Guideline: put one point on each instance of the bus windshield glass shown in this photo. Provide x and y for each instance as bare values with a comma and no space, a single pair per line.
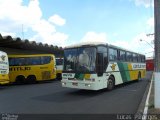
59,61
29,61
80,59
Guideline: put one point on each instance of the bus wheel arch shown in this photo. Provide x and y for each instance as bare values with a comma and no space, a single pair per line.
139,76
20,79
111,82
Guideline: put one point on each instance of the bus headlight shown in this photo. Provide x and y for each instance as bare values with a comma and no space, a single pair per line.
87,85
63,83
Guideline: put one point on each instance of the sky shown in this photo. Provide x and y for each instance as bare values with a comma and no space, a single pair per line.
66,22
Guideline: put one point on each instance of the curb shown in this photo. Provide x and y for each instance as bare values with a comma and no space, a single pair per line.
147,100
142,104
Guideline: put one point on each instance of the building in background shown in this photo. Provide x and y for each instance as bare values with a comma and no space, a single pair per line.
18,46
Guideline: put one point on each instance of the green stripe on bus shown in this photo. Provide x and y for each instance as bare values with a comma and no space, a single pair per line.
123,68
79,76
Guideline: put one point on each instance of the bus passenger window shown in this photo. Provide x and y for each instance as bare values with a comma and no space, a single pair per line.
122,56
35,60
139,58
129,57
19,61
11,61
142,58
112,54
135,58
45,59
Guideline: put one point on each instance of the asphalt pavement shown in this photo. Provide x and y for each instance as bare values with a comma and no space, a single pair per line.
51,98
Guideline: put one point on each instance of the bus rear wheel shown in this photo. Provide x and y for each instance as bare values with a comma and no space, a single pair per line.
31,79
110,83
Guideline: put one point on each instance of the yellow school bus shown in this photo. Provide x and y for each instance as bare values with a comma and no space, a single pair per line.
4,68
31,68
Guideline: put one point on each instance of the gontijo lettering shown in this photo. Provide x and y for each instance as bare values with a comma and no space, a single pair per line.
19,68
135,66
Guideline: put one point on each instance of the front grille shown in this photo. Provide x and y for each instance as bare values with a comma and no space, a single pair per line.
71,78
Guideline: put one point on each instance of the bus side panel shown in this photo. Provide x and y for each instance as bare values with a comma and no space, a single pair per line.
143,73
128,73
4,68
118,78
12,76
15,71
124,71
38,71
116,70
41,72
133,73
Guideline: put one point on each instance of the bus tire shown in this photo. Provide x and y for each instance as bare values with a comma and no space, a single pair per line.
20,79
110,83
139,76
31,79
59,76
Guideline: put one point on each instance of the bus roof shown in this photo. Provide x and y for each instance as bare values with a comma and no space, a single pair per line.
123,49
97,43
85,44
31,55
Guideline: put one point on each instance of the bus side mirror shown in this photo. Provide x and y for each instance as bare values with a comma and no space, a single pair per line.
99,66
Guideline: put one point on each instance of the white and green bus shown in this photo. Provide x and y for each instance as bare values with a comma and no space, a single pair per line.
95,66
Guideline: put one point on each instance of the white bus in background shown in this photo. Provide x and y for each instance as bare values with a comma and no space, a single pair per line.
59,68
4,68
95,66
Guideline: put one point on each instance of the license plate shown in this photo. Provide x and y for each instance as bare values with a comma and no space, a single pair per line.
75,84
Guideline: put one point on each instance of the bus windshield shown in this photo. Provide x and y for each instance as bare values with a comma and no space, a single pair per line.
80,59
59,61
24,61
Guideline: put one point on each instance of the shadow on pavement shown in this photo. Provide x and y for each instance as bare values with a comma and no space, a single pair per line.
69,94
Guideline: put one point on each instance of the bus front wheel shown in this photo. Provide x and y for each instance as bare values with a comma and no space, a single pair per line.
110,83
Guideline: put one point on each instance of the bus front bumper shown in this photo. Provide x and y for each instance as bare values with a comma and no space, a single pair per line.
3,82
80,84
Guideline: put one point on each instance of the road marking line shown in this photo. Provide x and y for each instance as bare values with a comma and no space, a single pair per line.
147,101
129,90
